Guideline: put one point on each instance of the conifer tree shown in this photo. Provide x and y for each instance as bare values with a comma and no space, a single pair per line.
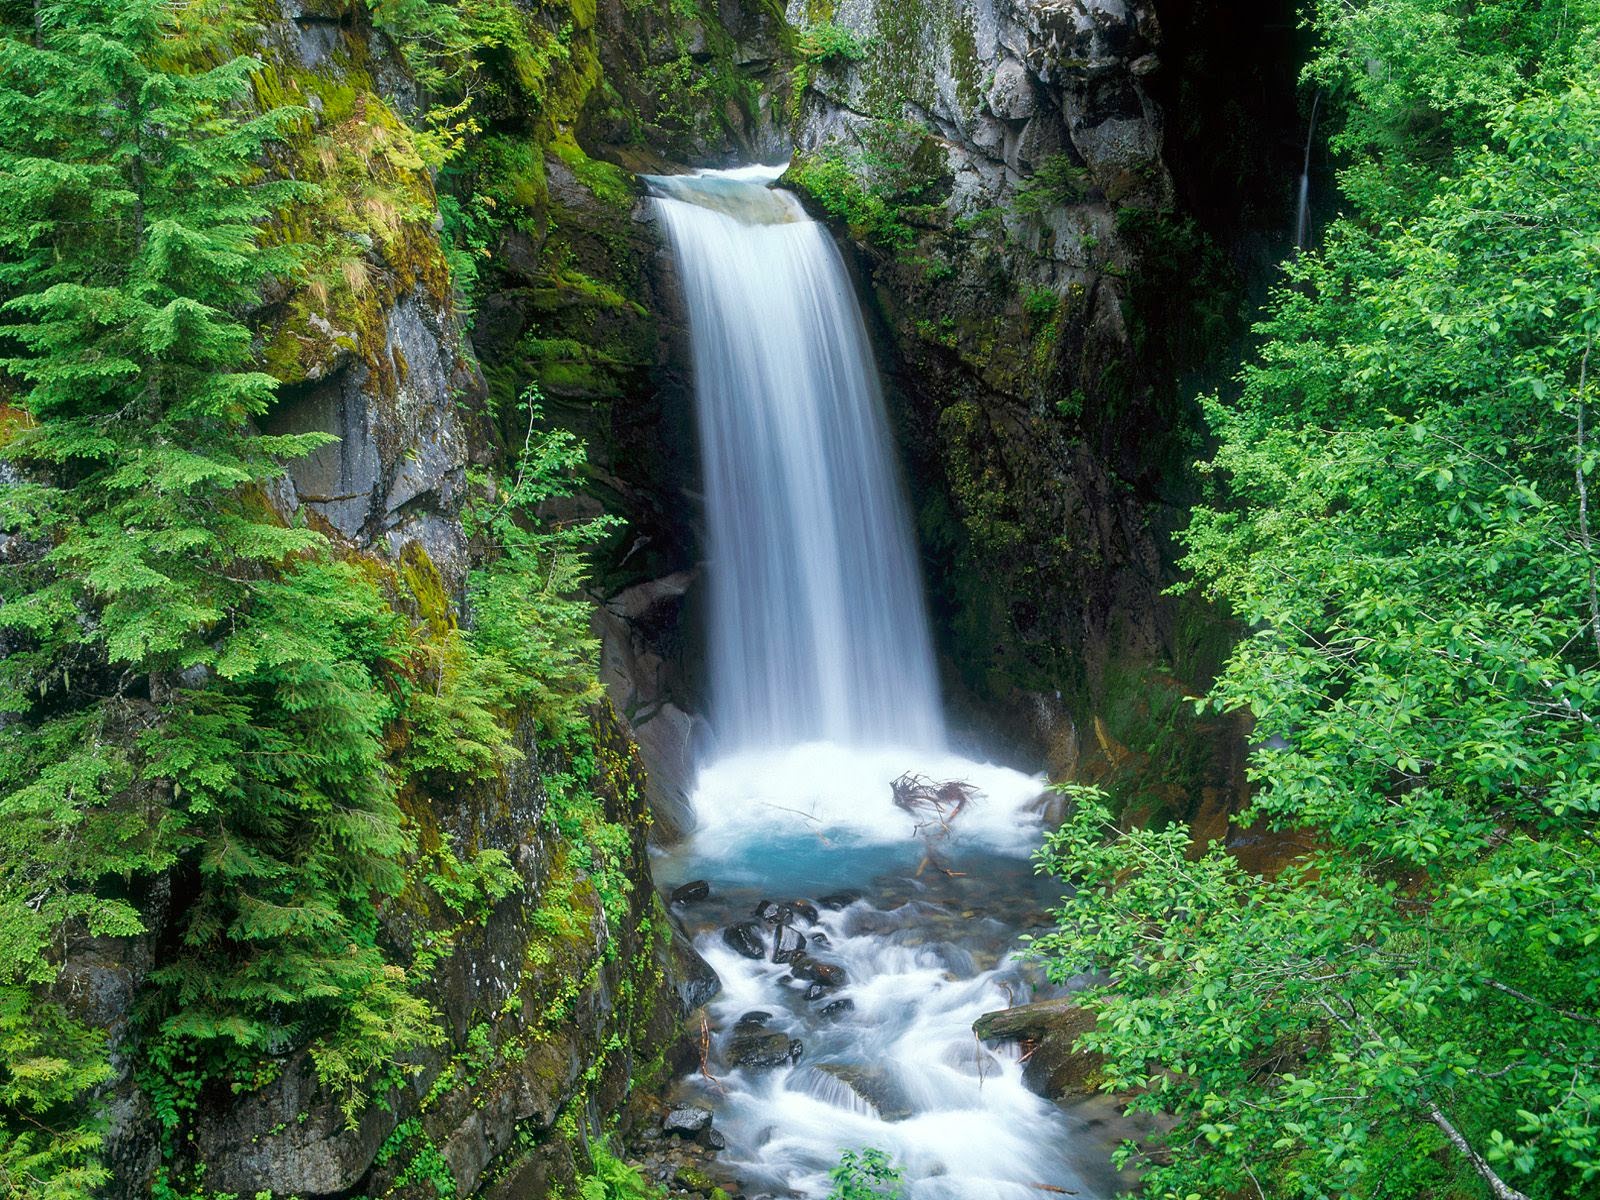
189,683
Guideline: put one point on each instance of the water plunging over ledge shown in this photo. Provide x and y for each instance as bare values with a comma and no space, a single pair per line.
818,629
845,1024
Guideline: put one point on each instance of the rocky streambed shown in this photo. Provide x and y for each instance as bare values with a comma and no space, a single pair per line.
856,950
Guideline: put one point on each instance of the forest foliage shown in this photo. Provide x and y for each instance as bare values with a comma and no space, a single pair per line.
1400,514
206,707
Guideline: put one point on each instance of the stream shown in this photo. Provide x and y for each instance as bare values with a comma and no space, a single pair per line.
924,925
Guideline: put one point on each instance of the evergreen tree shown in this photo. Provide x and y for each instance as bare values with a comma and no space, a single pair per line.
190,683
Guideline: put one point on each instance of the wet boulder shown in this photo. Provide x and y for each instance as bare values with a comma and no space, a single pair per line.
692,892
763,1049
789,945
840,899
686,1120
1051,1029
773,912
835,1009
805,911
829,975
754,1019
745,938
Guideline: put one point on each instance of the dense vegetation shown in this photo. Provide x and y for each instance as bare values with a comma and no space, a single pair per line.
208,705
1401,516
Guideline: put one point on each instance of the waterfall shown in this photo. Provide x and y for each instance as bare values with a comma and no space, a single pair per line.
818,625
1302,212
822,692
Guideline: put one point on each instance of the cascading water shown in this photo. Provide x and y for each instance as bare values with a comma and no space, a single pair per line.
851,1026
1302,212
817,623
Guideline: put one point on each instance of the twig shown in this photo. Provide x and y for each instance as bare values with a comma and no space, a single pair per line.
705,1057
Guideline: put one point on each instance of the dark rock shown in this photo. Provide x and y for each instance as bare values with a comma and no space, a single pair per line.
763,1049
816,991
827,974
773,912
745,938
712,1140
692,892
789,946
833,1011
1055,1068
805,910
754,1019
838,900
686,1120
693,977
819,938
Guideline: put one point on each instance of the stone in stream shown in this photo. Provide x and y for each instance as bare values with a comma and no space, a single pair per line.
1055,1067
838,900
745,938
819,938
876,1086
763,1049
772,912
754,1019
789,946
692,892
827,974
686,1120
805,910
833,1011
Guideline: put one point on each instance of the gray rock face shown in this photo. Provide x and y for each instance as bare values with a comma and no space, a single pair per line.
642,684
397,470
686,1120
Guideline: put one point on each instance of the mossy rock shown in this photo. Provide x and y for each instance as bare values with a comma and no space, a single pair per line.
1050,1028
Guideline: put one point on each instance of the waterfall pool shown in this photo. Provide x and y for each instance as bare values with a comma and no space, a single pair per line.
925,926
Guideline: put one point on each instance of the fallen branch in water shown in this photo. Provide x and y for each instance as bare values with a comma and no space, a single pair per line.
919,795
705,1057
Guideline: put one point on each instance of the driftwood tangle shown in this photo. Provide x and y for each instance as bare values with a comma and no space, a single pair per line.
941,803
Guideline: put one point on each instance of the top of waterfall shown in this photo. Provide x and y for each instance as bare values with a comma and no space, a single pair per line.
744,194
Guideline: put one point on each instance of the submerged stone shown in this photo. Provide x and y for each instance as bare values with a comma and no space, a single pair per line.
827,974
763,1049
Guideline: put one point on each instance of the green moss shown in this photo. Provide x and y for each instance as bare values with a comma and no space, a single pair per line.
979,487
610,184
426,587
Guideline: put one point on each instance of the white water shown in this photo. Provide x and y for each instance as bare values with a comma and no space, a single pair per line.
1302,212
823,691
818,628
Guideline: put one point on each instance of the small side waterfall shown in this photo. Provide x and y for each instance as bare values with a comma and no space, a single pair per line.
818,627
1302,212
